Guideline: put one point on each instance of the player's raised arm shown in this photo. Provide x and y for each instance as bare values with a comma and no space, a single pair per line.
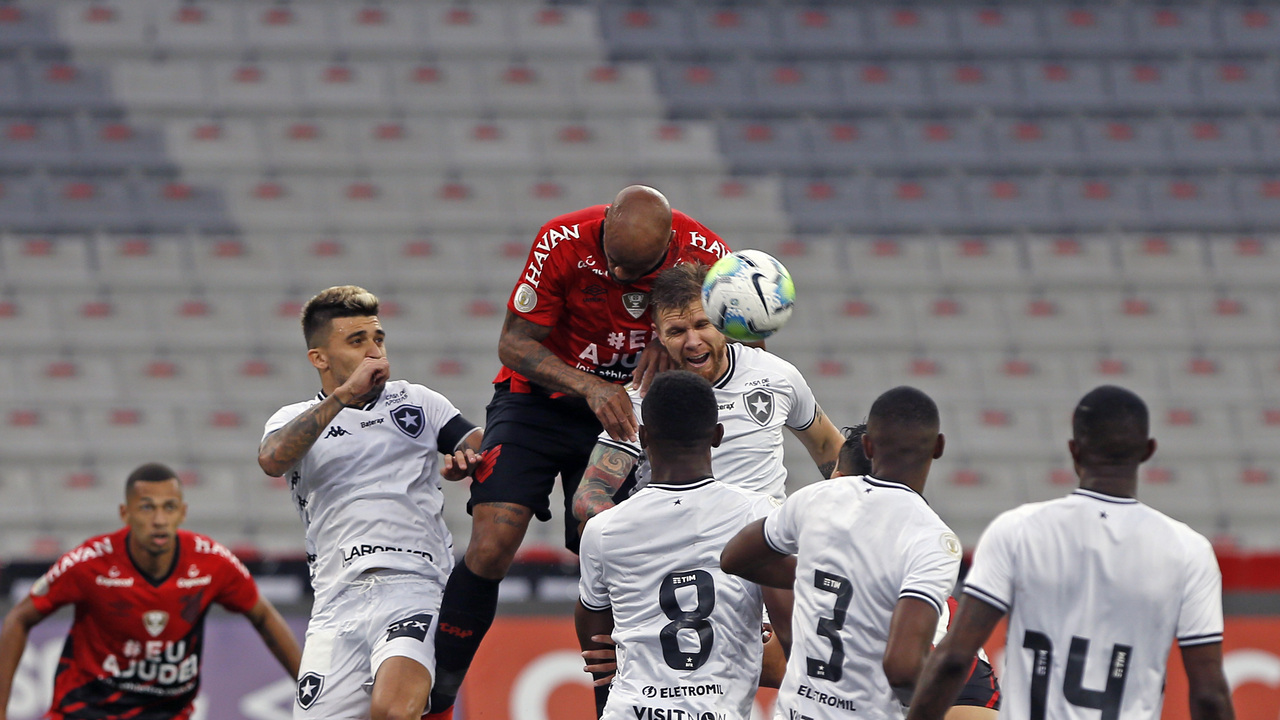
823,440
13,640
609,468
276,634
749,556
947,667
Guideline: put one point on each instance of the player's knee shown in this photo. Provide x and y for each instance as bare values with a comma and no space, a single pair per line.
492,557
396,709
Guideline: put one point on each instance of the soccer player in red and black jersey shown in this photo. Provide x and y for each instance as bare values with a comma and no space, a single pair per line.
140,594
577,328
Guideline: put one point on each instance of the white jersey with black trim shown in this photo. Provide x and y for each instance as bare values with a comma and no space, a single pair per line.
368,490
688,634
862,544
758,394
1097,588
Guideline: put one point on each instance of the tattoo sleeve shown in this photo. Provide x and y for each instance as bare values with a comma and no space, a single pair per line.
604,476
283,448
520,348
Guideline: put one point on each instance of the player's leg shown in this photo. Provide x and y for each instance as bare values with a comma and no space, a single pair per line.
980,697
335,664
400,690
401,641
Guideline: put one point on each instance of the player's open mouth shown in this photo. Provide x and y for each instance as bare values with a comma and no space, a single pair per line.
698,360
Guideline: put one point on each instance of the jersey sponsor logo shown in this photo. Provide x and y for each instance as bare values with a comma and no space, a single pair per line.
594,293
395,398
455,631
700,241
665,713
542,250
725,406
113,581
356,551
526,298
156,667
410,419
336,431
375,421
194,579
310,685
824,698
635,303
155,621
209,547
415,627
683,691
84,552
759,404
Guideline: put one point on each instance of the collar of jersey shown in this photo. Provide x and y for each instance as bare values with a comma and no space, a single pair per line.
885,483
368,406
1104,497
681,488
731,358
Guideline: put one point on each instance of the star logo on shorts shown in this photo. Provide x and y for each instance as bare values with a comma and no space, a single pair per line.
759,405
410,419
310,685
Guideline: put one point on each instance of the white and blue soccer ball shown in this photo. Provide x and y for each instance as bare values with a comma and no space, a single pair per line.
748,295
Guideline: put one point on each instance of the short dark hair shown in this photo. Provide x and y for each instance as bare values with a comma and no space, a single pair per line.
853,459
151,472
336,302
1111,426
680,409
903,424
676,287
904,405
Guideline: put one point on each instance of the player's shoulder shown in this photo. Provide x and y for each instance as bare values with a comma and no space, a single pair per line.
1180,532
754,502
293,410
84,558
206,549
400,391
761,361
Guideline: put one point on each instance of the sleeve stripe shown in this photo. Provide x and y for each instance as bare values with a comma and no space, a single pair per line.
593,608
921,596
1200,640
987,597
809,424
624,447
768,541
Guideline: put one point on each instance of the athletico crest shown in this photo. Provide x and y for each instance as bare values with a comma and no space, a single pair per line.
635,303
410,419
154,621
759,405
309,687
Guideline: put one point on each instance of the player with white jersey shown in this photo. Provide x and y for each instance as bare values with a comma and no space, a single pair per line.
1097,587
757,394
687,634
872,568
362,460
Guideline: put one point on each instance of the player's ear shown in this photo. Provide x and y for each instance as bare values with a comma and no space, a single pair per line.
124,513
1151,449
718,435
868,448
319,359
1074,450
939,445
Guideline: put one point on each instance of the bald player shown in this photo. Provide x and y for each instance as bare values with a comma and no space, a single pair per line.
1097,586
872,566
577,327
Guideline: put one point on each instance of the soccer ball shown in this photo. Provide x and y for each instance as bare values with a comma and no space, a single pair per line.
748,295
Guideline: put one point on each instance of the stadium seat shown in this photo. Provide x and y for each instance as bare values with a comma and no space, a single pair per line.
919,203
1259,198
287,29
549,30
212,27
171,86
63,379
434,87
343,86
524,88
944,142
1191,431
910,28
536,200
644,30
1112,142
1209,378
222,432
490,145
1266,364
768,146
327,259
1099,201
28,26
704,87
92,203
207,321
734,204
1243,260
1034,143
471,203
435,261
1063,84
278,378
1086,28
215,501
182,380
39,430
1192,201
92,321
818,205
234,262
967,494
475,321
880,320
396,145
279,203
1185,490
1259,426
845,146
369,28
1158,260
62,86
1149,85
980,262
19,506
78,500
821,30
460,30
789,86
1011,202
1248,28
729,29
627,89
36,262
1268,135
951,376
1138,371
359,206
127,432
1239,84
979,83
1173,29
142,261
818,262
966,320
30,318
584,146
998,29
306,144
1049,479
201,143
271,504
1027,379
34,141
998,430
22,204
254,86
13,93
1051,320
1144,319
414,326
1233,319
1248,492
1212,142
872,86
893,263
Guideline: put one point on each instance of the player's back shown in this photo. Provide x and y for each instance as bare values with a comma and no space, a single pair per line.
862,544
688,634
1098,587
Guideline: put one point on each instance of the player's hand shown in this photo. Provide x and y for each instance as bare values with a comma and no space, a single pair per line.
602,660
653,360
367,380
612,406
459,465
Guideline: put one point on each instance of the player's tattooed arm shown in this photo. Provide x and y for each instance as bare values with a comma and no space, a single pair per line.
608,469
283,448
520,348
823,441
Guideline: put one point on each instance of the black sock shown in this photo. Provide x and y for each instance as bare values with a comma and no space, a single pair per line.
466,611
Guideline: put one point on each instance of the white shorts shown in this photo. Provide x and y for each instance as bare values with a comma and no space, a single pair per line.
379,616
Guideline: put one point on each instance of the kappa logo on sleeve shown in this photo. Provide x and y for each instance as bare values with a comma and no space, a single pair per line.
411,627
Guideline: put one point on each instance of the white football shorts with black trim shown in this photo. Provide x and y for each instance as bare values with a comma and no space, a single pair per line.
379,616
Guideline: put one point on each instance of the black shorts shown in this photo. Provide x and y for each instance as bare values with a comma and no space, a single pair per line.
529,438
981,689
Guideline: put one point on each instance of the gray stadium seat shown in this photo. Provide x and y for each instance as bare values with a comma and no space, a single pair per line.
540,29
1235,320
1143,320
459,30
54,85
211,27
343,86
1259,198
643,30
1111,142
204,143
91,203
185,379
358,206
1247,27
443,261
887,262
733,29
1027,379
910,27
1148,85
235,262
845,146
585,146
162,85
126,433
254,86
533,201
30,318
945,142
434,87
678,146
37,431
1191,201
216,320
1033,143
1243,84
980,262
1086,28
19,505
1212,142
393,144
1098,201
1191,431
767,146
263,203
998,430
952,375
703,87
295,143
1137,371
36,262
325,259
13,94
819,205
1065,84
109,27
23,204
1014,201
615,89
1243,260
1186,490
998,29
822,30
26,25
474,202
62,380
1209,378
965,320
917,203
280,29
524,88
369,28
99,322
730,204
115,144
490,145
1176,29
869,86
1051,320
967,493
791,86
128,261
981,83
174,206
1155,260
275,378
1248,491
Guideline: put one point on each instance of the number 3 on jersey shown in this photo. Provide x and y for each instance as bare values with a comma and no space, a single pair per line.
833,667
681,619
